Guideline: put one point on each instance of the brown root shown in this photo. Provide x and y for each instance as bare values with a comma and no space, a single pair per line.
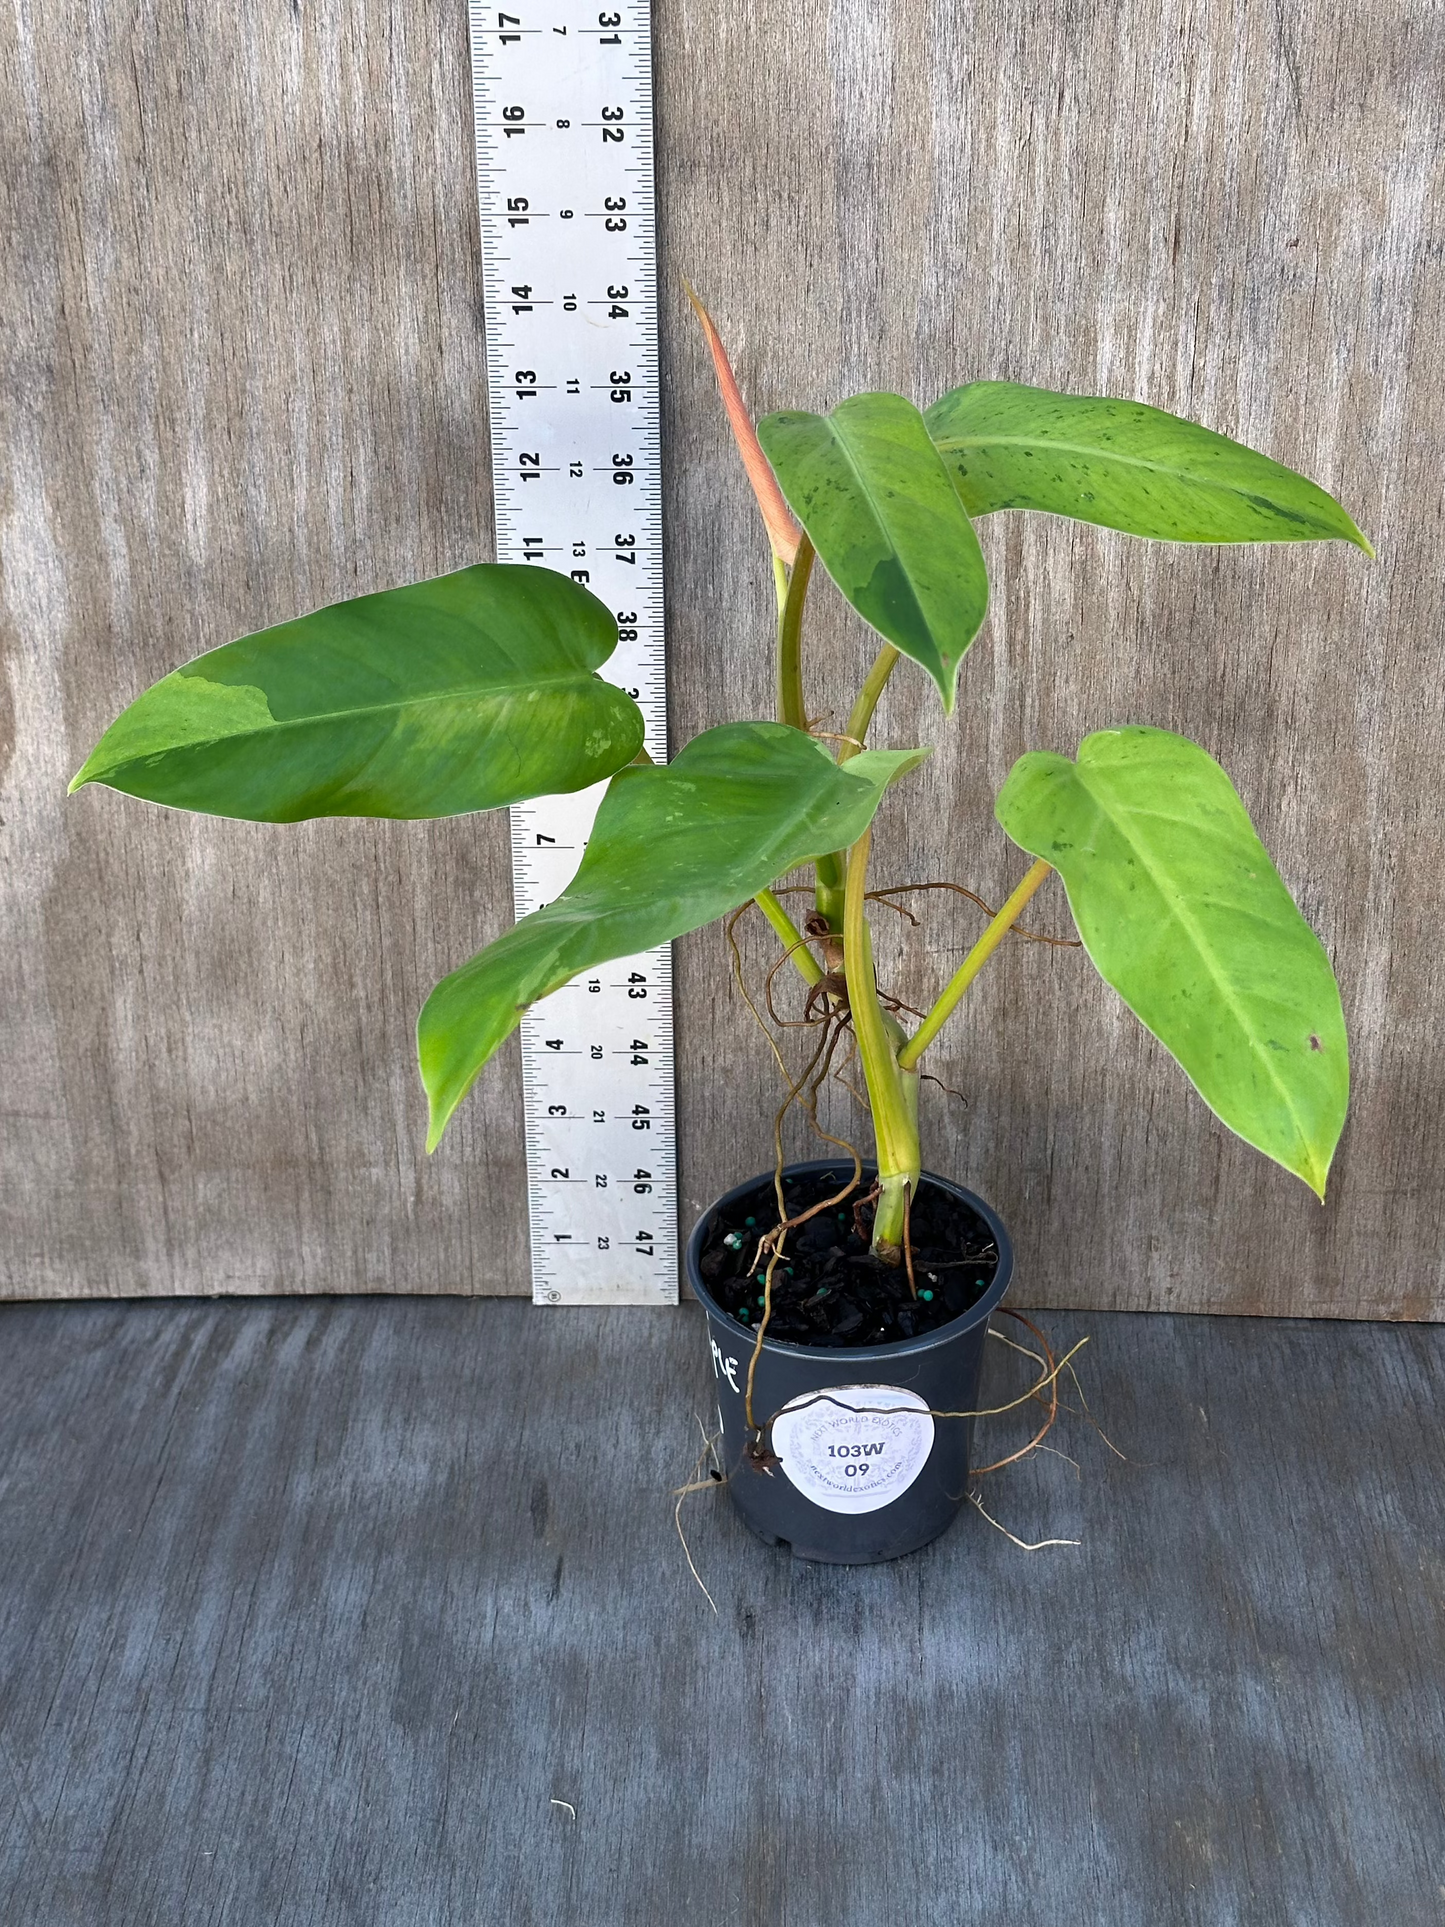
908,1239
1028,936
947,1089
830,989
825,1010
1052,1375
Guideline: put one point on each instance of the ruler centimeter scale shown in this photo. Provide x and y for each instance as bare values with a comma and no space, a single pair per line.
562,95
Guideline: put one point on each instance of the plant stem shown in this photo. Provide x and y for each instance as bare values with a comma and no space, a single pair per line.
829,895
780,582
888,1224
974,962
791,708
895,1119
831,868
808,967
862,711
790,640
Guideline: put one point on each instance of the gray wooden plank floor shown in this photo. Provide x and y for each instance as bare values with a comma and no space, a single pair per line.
314,1611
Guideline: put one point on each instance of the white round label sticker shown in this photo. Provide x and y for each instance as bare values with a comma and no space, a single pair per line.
854,1448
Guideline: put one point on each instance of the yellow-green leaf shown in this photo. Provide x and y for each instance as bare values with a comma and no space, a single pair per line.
1183,913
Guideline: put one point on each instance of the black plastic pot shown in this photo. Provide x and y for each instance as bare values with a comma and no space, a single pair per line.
866,1473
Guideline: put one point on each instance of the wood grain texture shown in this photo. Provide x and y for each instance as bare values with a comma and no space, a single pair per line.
243,376
314,1610
247,379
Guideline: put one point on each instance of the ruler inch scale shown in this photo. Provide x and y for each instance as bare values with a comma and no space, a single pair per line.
562,100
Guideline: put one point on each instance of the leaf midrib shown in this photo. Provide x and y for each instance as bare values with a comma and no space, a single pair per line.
364,709
888,536
954,443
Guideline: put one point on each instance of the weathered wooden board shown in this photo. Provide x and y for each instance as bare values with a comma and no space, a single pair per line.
243,376
316,1613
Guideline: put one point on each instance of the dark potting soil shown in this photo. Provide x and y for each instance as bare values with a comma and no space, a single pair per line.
828,1290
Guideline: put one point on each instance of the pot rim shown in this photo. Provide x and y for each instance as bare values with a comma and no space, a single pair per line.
864,1354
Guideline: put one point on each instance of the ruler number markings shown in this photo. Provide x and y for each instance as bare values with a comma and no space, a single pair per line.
563,117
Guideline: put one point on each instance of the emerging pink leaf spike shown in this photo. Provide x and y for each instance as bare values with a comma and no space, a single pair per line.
783,532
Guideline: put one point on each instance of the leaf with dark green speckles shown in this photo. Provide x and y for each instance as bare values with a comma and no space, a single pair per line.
1124,466
870,489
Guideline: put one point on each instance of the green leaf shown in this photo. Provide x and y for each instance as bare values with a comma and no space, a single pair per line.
1184,914
673,847
878,505
1125,466
466,692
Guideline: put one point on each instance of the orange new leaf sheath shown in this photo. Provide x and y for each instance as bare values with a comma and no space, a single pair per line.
783,532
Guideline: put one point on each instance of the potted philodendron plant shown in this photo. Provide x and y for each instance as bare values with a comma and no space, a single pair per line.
847,1301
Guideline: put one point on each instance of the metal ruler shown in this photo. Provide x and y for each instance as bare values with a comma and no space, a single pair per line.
562,94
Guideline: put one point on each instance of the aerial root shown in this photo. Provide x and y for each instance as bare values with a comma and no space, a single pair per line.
1051,1375
1024,1545
715,1478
